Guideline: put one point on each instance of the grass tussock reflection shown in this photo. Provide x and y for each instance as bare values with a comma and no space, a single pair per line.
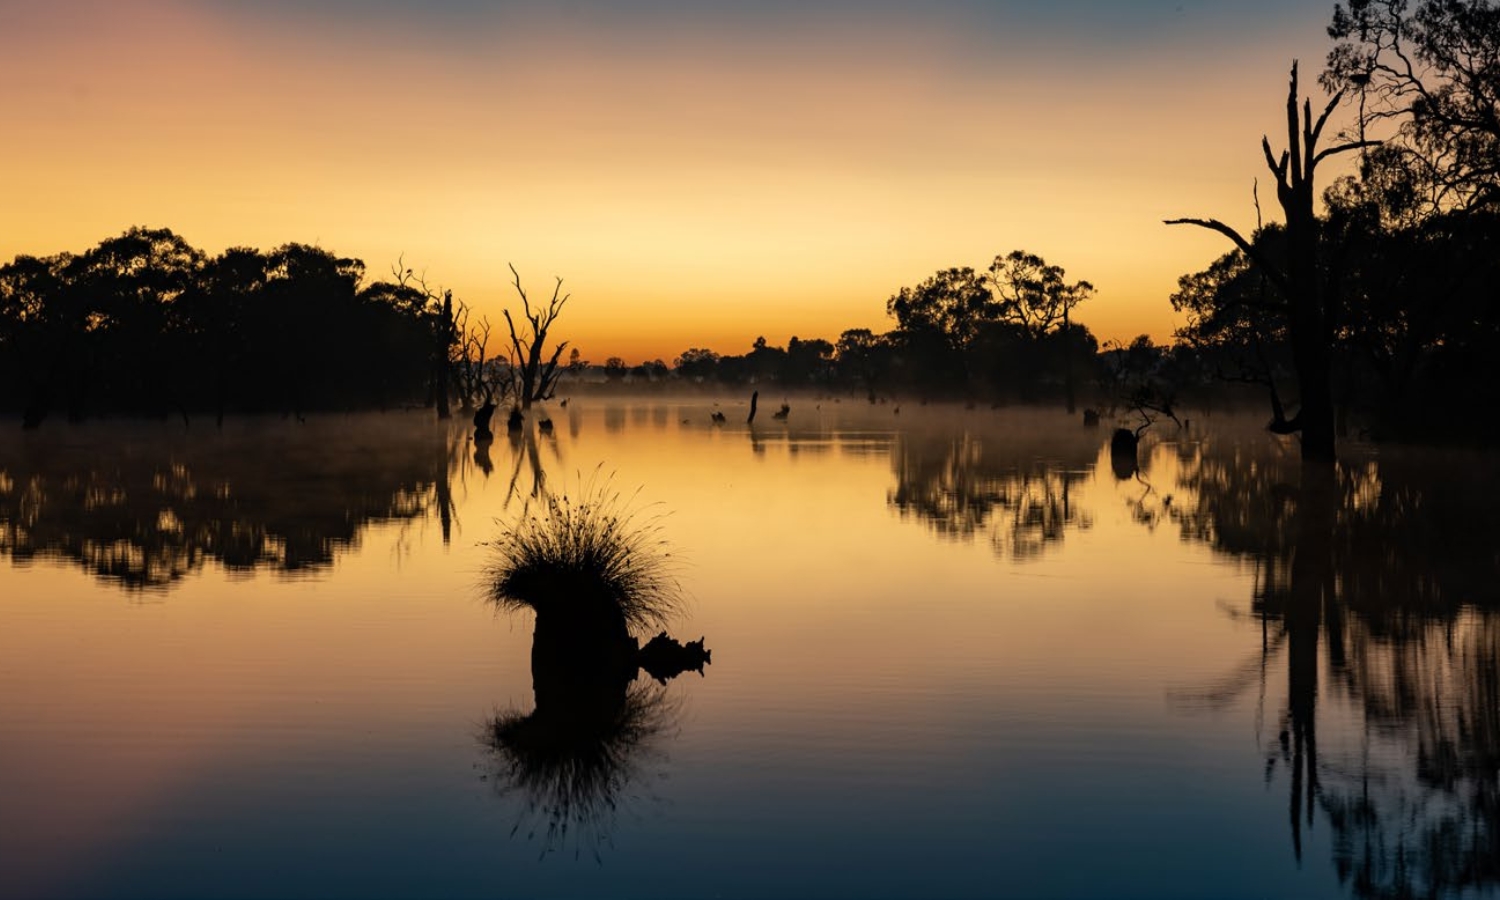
576,761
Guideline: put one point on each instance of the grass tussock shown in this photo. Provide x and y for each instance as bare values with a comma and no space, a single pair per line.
596,550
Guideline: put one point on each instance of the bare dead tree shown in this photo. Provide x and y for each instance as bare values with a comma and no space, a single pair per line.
472,365
533,378
1310,313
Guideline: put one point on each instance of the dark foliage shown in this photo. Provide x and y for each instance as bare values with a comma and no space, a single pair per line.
145,324
586,561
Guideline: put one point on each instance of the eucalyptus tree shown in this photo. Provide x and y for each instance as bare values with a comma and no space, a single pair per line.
1036,298
1300,293
1033,295
1431,70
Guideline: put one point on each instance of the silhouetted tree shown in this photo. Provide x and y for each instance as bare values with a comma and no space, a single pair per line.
1301,293
474,373
696,364
863,358
651,370
807,362
38,332
1235,326
1033,295
962,330
952,305
937,322
309,295
1137,378
1420,325
535,376
144,323
1429,67
448,321
764,361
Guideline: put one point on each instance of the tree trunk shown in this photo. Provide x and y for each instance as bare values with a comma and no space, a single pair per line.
440,361
1310,310
1311,337
1068,363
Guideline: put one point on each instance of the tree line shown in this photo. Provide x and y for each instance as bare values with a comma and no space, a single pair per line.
1001,334
146,324
1371,305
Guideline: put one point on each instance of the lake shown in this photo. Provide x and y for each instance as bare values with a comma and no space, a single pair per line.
955,653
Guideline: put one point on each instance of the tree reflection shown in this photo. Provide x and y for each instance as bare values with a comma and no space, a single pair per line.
1381,583
577,759
144,506
1020,496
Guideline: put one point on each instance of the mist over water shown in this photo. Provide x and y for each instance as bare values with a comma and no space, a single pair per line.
955,652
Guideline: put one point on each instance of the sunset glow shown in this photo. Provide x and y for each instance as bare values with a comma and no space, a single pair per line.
699,174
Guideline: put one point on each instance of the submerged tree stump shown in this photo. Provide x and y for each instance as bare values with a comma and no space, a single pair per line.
1123,445
664,658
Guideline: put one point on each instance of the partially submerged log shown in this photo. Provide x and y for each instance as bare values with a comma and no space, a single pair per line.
664,658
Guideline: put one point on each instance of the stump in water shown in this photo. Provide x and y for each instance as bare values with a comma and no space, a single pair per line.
1122,453
482,421
664,658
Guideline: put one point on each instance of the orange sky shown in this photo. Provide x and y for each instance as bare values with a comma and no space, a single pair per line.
699,174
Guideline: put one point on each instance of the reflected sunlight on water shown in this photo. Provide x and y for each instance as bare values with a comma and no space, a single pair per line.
953,655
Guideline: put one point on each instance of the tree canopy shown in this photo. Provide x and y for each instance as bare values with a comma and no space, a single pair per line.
144,323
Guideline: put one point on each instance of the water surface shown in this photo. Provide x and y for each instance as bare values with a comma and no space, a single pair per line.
955,654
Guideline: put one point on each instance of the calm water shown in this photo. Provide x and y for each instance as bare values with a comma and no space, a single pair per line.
954,655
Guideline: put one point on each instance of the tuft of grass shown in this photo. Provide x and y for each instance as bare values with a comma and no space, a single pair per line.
585,556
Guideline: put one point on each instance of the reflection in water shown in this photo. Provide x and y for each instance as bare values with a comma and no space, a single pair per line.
1390,579
1007,735
144,505
1019,494
577,758
527,465
589,571
482,455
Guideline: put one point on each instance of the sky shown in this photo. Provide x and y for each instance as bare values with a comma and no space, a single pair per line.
698,174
